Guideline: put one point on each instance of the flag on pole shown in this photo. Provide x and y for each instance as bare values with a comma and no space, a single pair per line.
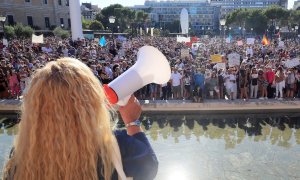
265,40
102,41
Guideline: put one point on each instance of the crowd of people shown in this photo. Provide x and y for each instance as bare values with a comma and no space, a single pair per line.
262,72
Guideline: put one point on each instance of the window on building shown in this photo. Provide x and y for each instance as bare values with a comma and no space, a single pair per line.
45,1
62,21
67,2
29,21
27,1
47,22
59,2
69,23
10,20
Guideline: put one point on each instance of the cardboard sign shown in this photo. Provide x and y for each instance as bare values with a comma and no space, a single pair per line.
216,58
233,59
221,66
292,63
185,53
37,39
250,40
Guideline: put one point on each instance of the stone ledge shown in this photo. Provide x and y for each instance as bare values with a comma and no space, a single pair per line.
210,106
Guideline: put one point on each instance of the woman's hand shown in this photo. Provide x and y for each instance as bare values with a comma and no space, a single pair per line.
130,113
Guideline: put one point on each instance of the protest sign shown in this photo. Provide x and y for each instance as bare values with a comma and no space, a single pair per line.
250,40
216,58
239,43
183,39
184,53
5,42
37,39
228,40
281,44
96,39
151,31
221,66
233,59
292,63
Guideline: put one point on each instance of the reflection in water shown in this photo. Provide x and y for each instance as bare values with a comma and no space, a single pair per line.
279,130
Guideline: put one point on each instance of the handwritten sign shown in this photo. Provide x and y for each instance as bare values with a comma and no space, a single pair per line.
250,40
37,39
216,58
185,53
221,66
183,39
292,63
233,59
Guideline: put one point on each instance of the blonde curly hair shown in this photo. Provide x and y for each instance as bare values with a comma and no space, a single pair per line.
65,129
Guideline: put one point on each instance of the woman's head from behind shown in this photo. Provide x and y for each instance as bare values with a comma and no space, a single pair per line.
65,125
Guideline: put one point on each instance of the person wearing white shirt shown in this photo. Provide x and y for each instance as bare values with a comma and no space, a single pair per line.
176,83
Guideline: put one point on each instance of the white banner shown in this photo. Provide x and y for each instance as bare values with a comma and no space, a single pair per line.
151,31
233,59
292,63
183,39
250,40
38,39
5,42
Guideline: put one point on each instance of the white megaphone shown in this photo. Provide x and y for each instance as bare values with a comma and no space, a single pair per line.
151,67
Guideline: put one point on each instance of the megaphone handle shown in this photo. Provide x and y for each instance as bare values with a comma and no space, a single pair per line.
124,101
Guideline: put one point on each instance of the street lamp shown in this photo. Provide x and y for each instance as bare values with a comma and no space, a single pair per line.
202,30
222,23
251,31
112,20
2,20
62,26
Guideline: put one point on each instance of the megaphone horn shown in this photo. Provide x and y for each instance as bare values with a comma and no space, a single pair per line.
151,67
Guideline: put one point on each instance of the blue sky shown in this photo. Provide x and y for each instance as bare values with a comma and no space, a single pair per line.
104,3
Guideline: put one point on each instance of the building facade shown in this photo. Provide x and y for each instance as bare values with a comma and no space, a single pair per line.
39,14
228,6
89,11
202,15
296,5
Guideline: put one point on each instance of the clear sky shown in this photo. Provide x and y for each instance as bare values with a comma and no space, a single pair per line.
104,3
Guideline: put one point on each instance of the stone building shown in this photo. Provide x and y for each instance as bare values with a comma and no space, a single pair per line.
40,14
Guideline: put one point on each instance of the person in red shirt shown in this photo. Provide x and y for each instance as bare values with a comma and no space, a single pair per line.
270,76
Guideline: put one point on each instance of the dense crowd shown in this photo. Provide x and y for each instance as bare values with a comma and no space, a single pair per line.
261,73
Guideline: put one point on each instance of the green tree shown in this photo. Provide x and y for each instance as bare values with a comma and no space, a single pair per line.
59,32
96,25
9,32
256,20
238,17
23,31
173,27
295,17
85,23
276,14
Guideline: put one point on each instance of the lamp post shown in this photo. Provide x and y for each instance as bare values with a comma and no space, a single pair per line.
202,30
2,20
240,29
112,20
296,30
222,23
251,31
62,26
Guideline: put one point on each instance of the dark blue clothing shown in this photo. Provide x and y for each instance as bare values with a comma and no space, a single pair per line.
138,158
